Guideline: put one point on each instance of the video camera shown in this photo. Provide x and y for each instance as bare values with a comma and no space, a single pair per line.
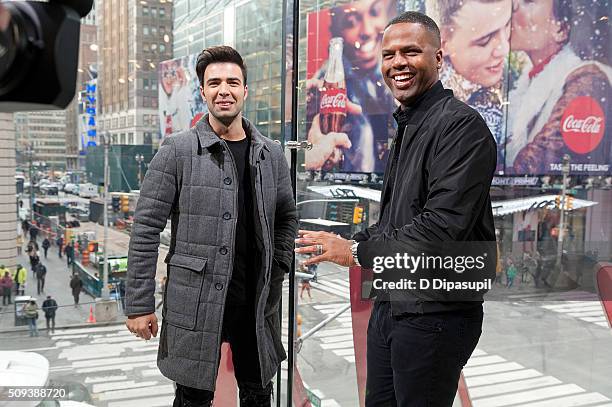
39,54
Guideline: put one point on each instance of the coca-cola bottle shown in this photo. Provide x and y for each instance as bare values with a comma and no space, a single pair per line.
332,108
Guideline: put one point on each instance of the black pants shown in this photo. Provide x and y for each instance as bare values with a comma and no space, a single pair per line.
40,285
239,331
6,296
50,323
415,360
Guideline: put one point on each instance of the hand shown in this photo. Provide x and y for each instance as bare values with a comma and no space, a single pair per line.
5,17
143,326
324,146
334,248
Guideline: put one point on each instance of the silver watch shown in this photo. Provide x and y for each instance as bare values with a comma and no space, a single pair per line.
354,252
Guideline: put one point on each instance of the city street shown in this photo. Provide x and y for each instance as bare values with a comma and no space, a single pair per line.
534,352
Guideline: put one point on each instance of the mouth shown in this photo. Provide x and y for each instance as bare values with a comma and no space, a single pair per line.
403,80
224,104
497,67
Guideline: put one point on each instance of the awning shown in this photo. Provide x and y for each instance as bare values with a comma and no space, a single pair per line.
346,191
501,208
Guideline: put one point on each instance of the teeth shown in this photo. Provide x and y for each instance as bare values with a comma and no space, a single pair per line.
402,77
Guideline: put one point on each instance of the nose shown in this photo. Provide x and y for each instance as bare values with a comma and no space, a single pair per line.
369,29
399,61
224,89
501,45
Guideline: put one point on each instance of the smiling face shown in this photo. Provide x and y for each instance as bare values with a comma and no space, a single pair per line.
361,26
224,91
476,46
410,61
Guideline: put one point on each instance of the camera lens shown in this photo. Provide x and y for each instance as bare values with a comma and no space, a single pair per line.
17,48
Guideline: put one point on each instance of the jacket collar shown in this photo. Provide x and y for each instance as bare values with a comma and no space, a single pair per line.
407,114
207,136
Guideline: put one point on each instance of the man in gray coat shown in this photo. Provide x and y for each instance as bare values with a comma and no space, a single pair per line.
227,190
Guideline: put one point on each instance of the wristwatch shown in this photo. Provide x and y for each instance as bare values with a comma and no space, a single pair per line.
354,245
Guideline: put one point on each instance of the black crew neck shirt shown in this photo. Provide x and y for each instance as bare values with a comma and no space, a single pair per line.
243,283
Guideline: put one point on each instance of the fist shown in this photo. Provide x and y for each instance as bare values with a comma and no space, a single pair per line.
143,326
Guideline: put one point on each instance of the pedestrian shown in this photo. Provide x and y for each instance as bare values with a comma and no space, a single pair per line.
33,232
305,286
45,245
25,227
435,189
41,273
69,252
511,272
162,290
76,285
19,245
60,246
224,286
49,307
34,261
31,313
19,278
6,284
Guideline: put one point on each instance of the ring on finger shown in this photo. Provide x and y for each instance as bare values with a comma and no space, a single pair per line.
319,249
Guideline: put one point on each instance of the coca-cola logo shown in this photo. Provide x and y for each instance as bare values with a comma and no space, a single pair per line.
583,124
333,100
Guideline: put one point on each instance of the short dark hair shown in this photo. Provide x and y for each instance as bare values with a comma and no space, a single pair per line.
415,17
220,53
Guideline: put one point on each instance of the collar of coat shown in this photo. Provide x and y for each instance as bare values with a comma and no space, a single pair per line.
208,137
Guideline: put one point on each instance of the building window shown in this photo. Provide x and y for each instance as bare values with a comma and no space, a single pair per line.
162,12
145,84
153,12
145,30
153,30
162,48
145,11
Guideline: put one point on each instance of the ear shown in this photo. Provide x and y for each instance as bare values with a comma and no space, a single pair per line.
439,58
202,93
246,91
561,36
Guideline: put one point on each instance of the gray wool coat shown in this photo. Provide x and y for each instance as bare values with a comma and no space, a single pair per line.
192,181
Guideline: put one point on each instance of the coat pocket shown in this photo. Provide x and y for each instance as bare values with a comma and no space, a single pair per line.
183,289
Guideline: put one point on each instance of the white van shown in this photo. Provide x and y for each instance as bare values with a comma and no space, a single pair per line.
88,191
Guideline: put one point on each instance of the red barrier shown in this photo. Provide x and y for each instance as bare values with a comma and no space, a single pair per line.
226,391
604,288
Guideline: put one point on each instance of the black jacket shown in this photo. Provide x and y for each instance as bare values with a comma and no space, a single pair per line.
49,306
436,185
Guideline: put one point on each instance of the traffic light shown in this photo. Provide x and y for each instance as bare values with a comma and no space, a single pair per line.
358,214
569,205
558,202
125,203
116,203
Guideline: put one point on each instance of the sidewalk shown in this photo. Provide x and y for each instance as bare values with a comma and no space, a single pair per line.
57,284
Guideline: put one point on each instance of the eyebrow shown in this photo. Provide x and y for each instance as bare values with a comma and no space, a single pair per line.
492,32
405,48
231,78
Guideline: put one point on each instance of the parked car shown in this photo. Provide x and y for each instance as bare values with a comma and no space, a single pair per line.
88,191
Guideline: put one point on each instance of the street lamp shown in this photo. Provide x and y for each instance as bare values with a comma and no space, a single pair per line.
139,159
565,170
105,274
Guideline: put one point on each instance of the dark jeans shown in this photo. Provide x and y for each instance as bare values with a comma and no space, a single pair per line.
40,285
6,295
239,331
50,322
415,360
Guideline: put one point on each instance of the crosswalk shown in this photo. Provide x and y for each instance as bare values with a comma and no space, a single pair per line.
582,305
98,354
338,336
496,382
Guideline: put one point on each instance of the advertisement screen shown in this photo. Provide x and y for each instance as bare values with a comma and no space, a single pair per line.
349,108
180,102
559,102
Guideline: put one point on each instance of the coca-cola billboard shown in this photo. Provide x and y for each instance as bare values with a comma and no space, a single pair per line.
560,89
349,108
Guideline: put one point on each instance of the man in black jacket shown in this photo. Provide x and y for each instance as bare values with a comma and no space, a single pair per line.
435,191
49,306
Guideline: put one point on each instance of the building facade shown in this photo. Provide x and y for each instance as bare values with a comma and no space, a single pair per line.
133,37
45,132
